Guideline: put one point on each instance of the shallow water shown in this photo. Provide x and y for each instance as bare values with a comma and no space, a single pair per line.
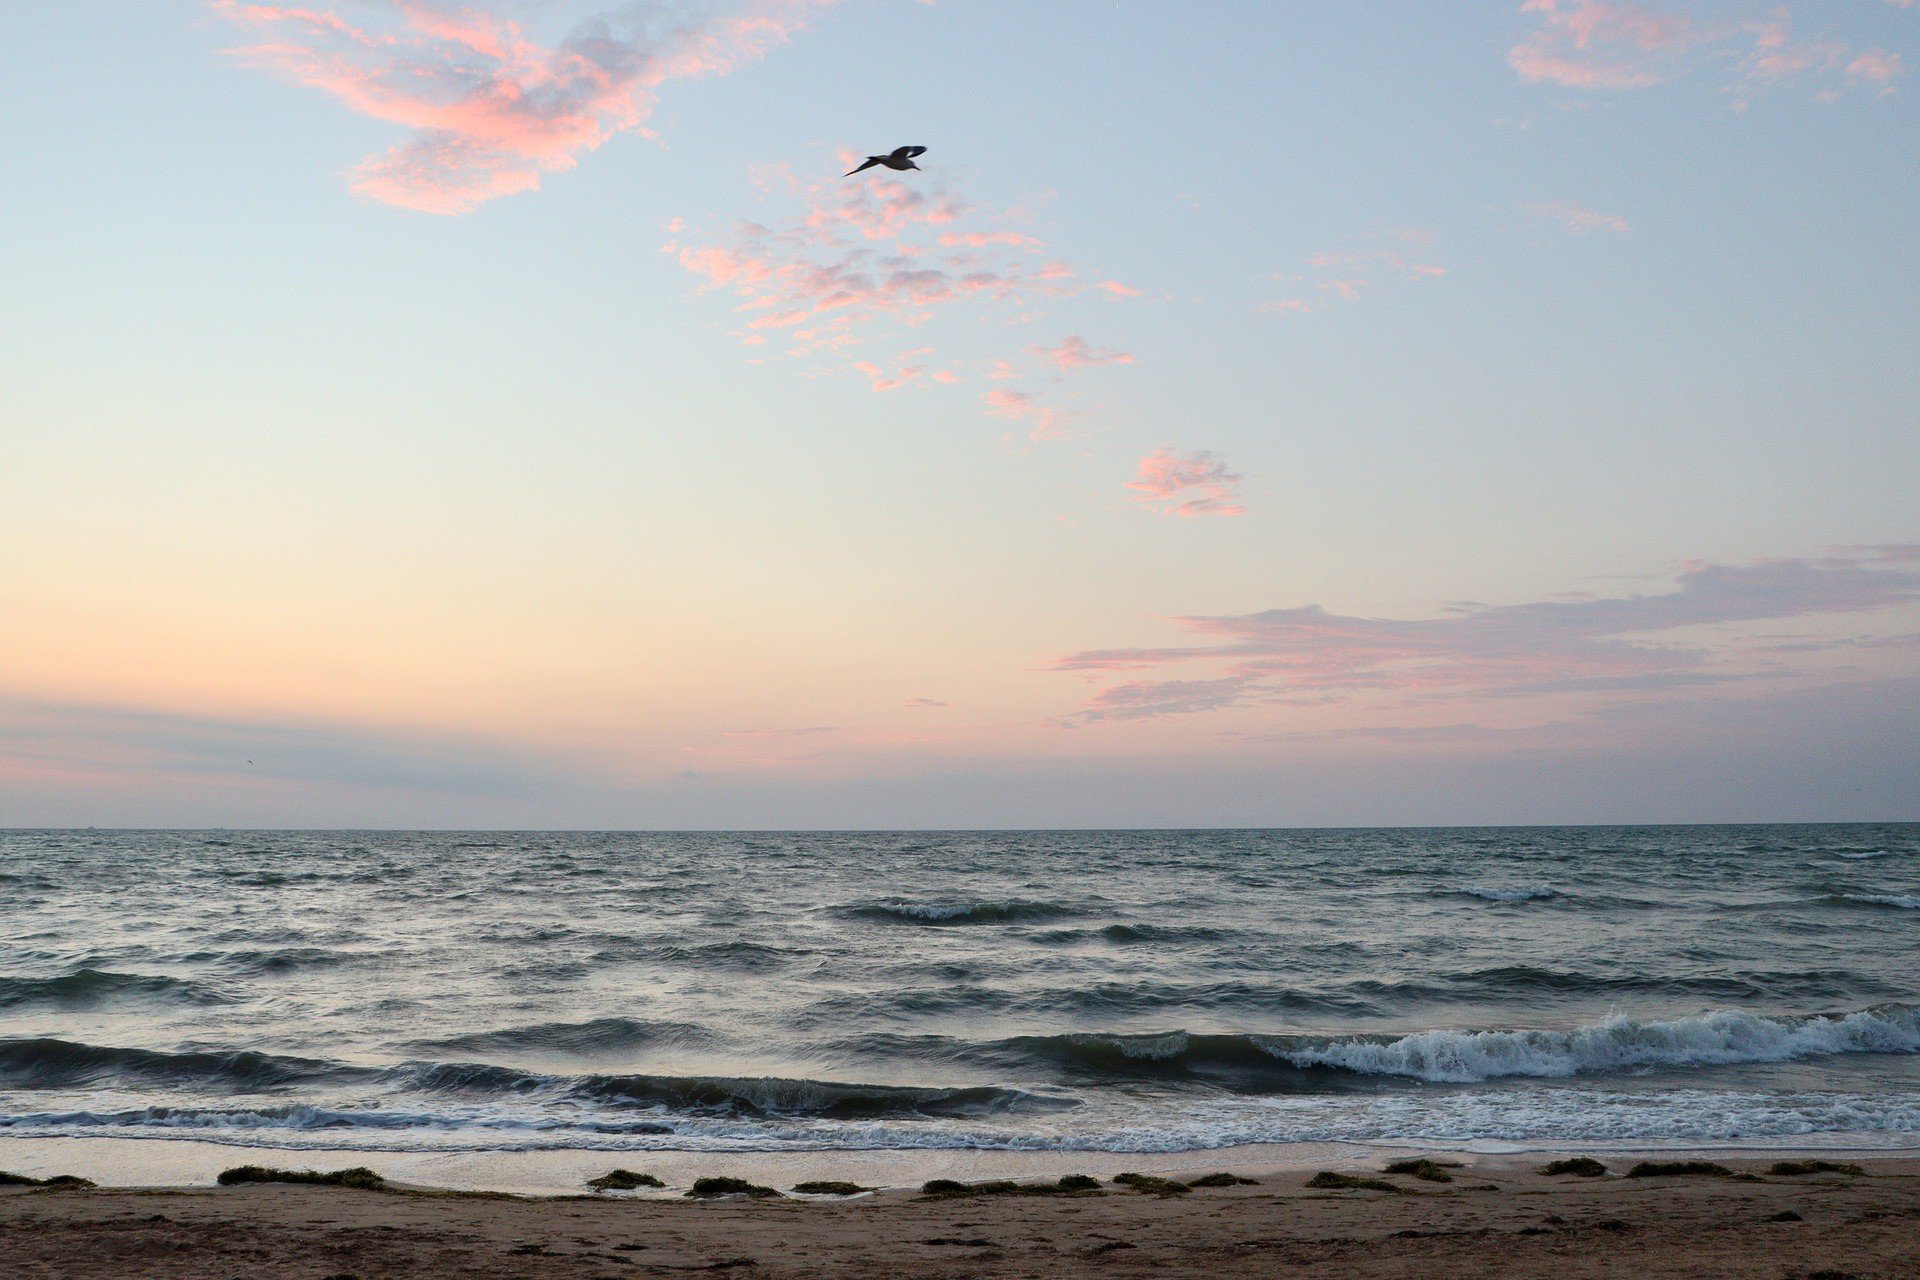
1069,990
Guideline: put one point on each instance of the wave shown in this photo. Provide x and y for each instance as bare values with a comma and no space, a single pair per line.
600,1035
1014,911
1616,1044
47,1063
88,987
1527,893
1265,1064
1907,902
301,1118
1861,855
813,1099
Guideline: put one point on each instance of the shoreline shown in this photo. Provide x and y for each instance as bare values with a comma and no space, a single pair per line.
1497,1217
187,1163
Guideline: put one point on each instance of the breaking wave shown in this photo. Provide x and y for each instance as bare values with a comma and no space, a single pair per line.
1618,1044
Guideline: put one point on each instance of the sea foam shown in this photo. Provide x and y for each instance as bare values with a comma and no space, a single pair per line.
1616,1044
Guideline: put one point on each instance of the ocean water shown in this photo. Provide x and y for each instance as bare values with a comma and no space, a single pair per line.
1123,991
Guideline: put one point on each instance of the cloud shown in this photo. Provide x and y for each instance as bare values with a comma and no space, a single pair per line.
849,263
1877,65
902,376
1575,218
1477,652
106,746
1347,273
858,255
1072,352
854,262
491,107
1187,484
1043,422
926,703
809,731
1598,45
1589,44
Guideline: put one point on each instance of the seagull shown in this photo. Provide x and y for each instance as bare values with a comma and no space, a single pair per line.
900,159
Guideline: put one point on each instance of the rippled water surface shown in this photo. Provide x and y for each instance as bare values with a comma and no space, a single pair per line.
1133,991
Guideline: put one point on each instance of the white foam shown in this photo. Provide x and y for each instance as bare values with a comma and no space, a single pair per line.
1616,1044
1905,901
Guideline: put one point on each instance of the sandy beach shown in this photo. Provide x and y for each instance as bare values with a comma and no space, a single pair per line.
1497,1216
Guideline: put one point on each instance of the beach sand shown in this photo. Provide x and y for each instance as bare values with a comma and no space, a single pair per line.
1498,1217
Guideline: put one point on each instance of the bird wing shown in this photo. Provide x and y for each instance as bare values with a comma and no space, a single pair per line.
871,161
908,153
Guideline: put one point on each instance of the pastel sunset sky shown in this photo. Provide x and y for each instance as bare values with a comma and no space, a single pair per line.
504,413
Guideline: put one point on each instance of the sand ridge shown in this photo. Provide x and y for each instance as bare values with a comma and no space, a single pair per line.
1495,1219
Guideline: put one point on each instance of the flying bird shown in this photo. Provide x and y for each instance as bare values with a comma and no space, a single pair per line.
901,158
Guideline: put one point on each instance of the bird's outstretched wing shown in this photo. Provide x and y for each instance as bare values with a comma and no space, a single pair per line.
871,161
908,153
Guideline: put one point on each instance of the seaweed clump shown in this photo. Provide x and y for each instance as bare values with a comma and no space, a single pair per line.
624,1180
1326,1180
1148,1185
56,1182
1074,1184
706,1188
1426,1170
829,1188
1224,1180
359,1178
1579,1167
1800,1168
1679,1169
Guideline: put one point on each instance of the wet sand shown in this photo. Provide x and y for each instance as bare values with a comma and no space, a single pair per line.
1498,1217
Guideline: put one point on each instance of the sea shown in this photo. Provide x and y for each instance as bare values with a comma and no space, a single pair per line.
1081,991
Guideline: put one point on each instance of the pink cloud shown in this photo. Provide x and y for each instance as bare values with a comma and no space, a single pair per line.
861,253
1602,45
1043,422
1590,44
1574,218
984,239
861,260
1876,65
1119,290
883,381
491,108
1187,484
1640,645
1382,253
1072,352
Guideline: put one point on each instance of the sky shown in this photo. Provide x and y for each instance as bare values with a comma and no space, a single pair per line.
506,413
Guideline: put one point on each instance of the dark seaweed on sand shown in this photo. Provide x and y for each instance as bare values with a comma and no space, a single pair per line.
1074,1184
1148,1185
1579,1167
706,1187
359,1178
1326,1180
1224,1180
56,1181
1679,1169
829,1188
1800,1168
1427,1170
623,1180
